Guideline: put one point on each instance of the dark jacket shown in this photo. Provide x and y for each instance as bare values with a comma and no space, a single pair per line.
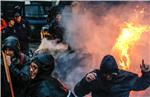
22,33
8,31
19,69
47,87
44,85
22,30
19,76
119,86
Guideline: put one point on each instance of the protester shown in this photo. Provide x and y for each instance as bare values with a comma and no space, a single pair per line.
19,70
42,83
110,81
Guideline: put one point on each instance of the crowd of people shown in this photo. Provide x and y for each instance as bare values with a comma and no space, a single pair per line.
19,28
32,77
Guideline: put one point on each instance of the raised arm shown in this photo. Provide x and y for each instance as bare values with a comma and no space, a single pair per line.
84,86
143,82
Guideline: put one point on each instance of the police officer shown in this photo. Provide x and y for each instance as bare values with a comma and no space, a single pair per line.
109,81
22,32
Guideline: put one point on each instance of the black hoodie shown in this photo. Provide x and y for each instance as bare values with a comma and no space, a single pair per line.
19,69
44,85
119,86
13,43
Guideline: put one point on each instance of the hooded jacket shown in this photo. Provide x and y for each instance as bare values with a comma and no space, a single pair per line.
19,68
119,86
44,85
13,43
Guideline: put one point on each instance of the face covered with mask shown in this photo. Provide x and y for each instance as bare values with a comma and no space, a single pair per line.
108,68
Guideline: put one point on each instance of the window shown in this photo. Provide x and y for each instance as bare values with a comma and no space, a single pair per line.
35,11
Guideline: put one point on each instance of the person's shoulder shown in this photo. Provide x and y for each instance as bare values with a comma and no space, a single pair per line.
24,55
53,86
42,89
6,28
43,86
57,83
25,21
97,71
24,58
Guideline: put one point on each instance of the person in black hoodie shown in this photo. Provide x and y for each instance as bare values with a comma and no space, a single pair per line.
42,83
19,70
110,81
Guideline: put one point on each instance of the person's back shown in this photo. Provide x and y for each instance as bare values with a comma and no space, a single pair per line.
111,82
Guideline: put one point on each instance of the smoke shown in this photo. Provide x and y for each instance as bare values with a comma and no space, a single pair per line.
91,29
52,47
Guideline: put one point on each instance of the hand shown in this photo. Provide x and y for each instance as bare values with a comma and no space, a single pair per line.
144,67
15,61
90,77
8,59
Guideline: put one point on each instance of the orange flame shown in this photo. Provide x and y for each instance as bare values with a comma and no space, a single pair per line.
129,35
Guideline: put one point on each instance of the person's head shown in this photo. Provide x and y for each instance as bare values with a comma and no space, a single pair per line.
11,22
58,17
42,65
108,68
18,17
33,70
11,46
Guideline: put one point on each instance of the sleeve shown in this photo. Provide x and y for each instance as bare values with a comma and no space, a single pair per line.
141,83
82,88
21,74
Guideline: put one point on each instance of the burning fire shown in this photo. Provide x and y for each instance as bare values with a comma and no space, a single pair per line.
129,35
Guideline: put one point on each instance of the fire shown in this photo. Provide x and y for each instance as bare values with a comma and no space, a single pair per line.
129,35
